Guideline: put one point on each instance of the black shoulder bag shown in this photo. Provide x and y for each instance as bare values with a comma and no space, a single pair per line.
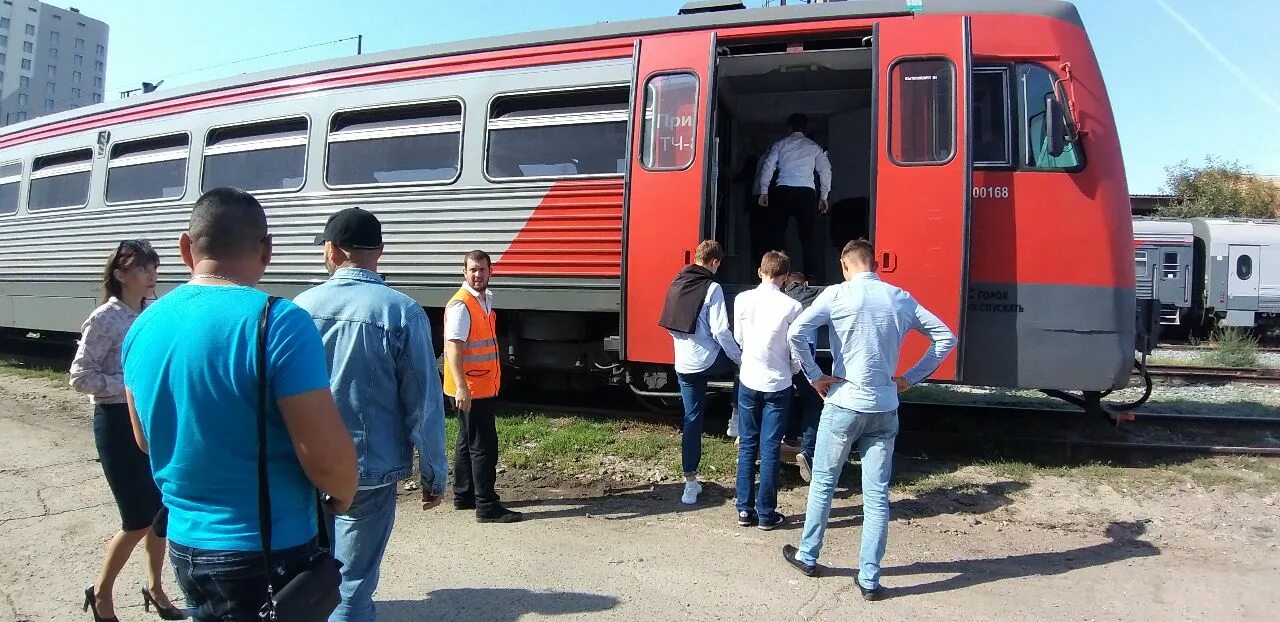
313,594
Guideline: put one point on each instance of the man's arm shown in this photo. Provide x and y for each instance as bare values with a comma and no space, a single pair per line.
938,333
738,303
322,444
801,335
824,176
138,436
422,401
718,320
766,173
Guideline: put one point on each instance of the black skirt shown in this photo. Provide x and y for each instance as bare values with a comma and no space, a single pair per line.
128,470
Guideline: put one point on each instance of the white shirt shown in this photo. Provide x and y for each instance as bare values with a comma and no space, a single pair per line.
760,320
795,158
697,352
457,322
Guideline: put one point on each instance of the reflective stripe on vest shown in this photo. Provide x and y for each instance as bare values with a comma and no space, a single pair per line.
481,368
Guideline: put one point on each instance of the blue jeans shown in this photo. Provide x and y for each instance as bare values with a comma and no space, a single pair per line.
693,393
359,539
874,433
761,420
230,586
805,412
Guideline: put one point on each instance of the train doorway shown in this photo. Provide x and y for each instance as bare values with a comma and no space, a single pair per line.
756,88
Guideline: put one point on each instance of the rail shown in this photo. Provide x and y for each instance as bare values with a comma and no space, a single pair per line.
1254,375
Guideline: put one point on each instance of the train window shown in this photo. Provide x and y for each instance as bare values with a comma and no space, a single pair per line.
991,145
1170,268
1244,267
1036,83
150,169
418,143
1140,262
60,180
670,122
922,111
259,157
10,179
559,134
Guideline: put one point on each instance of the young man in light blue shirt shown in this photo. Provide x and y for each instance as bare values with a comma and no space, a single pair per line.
867,319
387,386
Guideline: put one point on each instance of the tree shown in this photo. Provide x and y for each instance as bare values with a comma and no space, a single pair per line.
1219,189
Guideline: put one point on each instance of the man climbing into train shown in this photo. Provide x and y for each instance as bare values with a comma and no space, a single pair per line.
694,313
867,319
795,158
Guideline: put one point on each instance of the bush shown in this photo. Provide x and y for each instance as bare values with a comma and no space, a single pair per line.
1232,347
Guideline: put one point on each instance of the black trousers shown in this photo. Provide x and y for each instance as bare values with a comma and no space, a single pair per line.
801,204
475,457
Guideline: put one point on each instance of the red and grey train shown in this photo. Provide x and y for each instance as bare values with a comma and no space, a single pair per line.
973,142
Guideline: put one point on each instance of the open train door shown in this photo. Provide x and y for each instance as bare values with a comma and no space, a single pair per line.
666,191
924,169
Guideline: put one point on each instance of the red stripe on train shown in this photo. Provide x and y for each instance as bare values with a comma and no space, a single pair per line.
575,231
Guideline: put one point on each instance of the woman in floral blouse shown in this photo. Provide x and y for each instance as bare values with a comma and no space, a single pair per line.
127,279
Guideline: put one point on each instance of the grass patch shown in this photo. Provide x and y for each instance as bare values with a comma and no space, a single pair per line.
1231,347
37,372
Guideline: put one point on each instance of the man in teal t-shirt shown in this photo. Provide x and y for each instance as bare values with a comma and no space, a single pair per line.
191,375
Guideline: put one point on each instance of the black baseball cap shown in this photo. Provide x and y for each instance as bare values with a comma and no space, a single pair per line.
352,228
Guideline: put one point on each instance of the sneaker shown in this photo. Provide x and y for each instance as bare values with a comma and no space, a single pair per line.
789,554
732,432
769,524
746,519
691,492
872,594
802,461
464,504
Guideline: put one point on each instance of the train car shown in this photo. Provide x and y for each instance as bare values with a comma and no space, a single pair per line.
1162,257
972,141
1238,271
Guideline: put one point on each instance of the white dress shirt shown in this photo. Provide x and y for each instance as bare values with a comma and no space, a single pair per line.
760,320
697,352
457,322
796,158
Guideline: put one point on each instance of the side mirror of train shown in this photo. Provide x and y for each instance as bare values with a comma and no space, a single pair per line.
1055,127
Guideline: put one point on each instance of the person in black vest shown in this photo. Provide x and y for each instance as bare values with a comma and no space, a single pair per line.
694,313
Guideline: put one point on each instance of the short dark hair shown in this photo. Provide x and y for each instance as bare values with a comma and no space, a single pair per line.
796,278
775,264
861,251
798,122
707,252
476,256
227,223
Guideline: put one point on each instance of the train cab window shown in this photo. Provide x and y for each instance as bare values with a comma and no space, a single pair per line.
991,144
418,143
559,134
149,169
1036,84
922,111
10,180
60,180
670,122
258,157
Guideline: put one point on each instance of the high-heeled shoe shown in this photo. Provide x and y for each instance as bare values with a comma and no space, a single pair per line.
165,613
90,603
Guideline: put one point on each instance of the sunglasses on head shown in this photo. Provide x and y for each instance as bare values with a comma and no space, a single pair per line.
138,245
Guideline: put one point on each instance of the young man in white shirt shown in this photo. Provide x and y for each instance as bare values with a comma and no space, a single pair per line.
694,313
795,158
761,318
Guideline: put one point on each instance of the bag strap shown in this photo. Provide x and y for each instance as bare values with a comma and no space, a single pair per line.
264,493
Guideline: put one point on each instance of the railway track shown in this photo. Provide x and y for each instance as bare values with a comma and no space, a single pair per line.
1195,347
1040,435
1254,375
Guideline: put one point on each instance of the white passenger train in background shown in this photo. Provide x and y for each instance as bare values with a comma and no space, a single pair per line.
1203,273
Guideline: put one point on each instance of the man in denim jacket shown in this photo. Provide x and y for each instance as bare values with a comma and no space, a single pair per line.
385,381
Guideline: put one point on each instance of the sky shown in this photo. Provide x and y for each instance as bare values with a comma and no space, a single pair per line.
1187,78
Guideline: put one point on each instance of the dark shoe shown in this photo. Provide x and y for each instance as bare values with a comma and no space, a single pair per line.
802,461
789,554
464,505
501,516
165,613
875,594
769,524
746,519
89,604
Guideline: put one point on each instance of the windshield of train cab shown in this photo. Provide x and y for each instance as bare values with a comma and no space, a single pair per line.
1012,126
